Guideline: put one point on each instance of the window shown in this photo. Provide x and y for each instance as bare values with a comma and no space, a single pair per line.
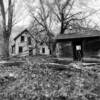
20,49
78,47
13,49
43,50
29,40
22,38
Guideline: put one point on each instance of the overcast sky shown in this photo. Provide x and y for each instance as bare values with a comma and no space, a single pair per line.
92,5
85,5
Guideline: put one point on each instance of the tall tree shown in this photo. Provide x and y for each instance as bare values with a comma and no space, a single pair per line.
43,18
35,34
63,12
66,13
6,28
8,21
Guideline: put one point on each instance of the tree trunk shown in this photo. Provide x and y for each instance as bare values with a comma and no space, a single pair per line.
51,48
7,25
62,30
6,48
37,48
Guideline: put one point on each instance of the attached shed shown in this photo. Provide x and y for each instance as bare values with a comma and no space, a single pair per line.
80,44
44,49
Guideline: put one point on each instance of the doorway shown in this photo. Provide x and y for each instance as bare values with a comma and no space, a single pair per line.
77,50
43,50
30,51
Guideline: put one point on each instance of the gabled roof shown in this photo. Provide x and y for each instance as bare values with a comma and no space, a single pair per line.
74,35
25,30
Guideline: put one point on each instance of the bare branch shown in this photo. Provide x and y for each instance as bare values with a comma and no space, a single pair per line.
90,14
71,7
66,4
38,21
57,15
73,15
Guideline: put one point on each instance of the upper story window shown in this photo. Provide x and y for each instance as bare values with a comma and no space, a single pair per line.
29,41
22,38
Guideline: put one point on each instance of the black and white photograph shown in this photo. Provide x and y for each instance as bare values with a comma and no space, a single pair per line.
49,49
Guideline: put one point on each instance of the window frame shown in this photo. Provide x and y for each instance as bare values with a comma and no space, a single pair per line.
22,38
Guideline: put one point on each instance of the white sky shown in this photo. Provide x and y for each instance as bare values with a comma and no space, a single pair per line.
90,4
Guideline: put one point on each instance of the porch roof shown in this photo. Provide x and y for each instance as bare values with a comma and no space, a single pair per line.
79,35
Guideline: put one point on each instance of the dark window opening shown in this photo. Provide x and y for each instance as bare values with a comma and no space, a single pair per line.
22,38
43,50
29,40
20,49
13,49
30,52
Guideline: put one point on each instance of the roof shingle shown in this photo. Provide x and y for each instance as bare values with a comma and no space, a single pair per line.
74,35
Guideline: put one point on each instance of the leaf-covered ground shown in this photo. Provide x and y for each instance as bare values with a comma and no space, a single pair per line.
38,78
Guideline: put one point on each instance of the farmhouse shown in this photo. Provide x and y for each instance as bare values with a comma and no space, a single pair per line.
78,45
23,44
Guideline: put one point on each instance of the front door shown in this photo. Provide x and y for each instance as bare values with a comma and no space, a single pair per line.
77,50
30,51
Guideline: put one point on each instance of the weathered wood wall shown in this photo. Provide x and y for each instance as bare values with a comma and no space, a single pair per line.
92,48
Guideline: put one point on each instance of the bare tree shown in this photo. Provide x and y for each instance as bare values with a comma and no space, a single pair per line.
65,13
8,21
35,34
6,28
43,19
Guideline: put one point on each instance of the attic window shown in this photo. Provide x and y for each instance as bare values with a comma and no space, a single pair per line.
22,38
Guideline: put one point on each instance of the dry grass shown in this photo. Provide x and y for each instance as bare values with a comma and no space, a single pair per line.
35,80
